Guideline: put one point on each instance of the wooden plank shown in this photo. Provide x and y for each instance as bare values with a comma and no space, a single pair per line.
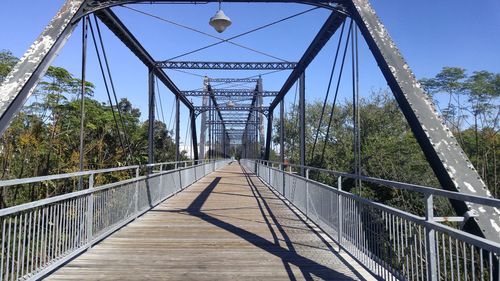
227,226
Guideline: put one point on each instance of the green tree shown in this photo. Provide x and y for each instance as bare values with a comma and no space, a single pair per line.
7,62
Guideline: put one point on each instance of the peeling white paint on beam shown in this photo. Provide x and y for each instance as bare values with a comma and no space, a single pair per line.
458,168
36,61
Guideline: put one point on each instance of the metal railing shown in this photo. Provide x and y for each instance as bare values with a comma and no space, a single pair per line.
391,243
39,236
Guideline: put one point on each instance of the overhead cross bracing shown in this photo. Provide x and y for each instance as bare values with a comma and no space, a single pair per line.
226,65
230,93
231,122
232,80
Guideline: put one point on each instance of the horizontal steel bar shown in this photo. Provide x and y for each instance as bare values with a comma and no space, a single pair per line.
75,194
232,80
399,185
231,108
64,176
472,239
231,122
226,65
449,219
229,93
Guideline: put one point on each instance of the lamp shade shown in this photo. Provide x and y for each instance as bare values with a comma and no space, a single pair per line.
220,21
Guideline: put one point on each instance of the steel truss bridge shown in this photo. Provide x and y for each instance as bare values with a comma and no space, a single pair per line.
253,218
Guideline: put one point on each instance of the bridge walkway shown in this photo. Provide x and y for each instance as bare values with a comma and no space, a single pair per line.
227,226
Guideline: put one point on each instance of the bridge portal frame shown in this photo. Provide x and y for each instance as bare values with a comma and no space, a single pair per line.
450,164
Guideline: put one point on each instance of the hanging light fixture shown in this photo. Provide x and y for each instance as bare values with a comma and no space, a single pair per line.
220,21
230,104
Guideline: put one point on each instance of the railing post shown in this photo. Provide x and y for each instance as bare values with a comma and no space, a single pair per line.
193,164
282,171
430,239
136,194
269,173
161,178
339,211
307,193
90,212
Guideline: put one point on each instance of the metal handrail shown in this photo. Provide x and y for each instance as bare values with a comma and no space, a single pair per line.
39,236
489,201
5,183
390,242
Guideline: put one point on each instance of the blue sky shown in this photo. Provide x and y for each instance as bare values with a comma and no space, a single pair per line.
430,35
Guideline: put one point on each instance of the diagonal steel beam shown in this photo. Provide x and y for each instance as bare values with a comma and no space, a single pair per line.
24,77
325,33
121,31
215,104
449,162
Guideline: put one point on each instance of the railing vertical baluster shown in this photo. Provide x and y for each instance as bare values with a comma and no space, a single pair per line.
20,233
136,195
430,239
282,171
8,251
161,181
307,193
39,244
24,246
90,212
339,211
12,260
58,230
29,251
490,264
3,249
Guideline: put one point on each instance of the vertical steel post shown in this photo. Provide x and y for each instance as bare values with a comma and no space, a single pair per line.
430,239
210,129
194,137
260,90
282,131
256,131
216,136
177,130
203,125
151,120
269,135
90,212
302,121
82,96
339,212
355,104
224,143
136,192
307,193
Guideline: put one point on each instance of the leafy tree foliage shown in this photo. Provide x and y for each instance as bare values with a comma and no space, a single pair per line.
472,113
388,147
7,61
44,137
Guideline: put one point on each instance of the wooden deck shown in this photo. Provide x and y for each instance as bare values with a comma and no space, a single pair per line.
227,226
